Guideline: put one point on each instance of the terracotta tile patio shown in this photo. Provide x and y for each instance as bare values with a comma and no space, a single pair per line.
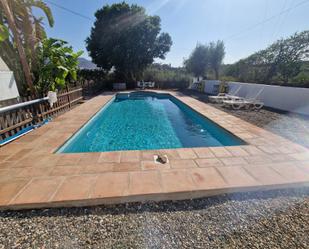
33,176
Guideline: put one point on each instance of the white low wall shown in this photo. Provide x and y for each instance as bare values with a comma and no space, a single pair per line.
8,88
291,99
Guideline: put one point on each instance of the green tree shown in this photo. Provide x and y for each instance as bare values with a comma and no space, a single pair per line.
57,65
279,63
126,39
198,62
20,33
216,56
206,58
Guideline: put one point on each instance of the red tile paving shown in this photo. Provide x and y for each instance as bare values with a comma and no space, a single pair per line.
111,185
32,175
37,191
265,174
221,152
207,178
145,182
127,166
110,157
203,153
186,153
64,170
96,168
130,156
208,162
151,165
237,151
10,188
75,188
176,181
182,164
230,161
236,176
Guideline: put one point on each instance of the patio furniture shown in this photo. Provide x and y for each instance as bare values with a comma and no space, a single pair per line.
143,84
140,84
225,96
194,86
248,103
151,84
146,84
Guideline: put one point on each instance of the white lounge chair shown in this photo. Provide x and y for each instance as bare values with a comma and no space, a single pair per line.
143,84
140,84
225,96
248,103
151,84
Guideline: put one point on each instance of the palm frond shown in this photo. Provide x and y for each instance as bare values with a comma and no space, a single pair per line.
44,7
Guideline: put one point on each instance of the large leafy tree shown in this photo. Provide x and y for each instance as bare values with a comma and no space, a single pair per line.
20,34
198,62
205,58
124,38
216,55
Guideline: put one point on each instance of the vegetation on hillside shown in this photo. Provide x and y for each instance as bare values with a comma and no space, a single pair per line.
285,62
124,38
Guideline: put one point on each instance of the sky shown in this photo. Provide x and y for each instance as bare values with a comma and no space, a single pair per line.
245,26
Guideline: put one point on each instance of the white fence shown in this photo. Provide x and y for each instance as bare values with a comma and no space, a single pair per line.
291,99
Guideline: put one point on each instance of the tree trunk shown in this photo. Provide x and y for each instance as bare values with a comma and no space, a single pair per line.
30,38
217,74
20,48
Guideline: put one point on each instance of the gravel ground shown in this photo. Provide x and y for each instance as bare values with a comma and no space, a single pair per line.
273,219
291,126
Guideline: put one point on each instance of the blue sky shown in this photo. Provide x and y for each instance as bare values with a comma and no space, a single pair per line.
237,22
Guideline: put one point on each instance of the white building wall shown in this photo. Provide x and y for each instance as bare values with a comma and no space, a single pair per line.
8,87
291,99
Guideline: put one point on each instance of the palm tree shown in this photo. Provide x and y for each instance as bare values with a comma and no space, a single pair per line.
26,31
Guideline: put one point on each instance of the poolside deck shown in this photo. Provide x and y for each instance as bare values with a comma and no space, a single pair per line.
32,176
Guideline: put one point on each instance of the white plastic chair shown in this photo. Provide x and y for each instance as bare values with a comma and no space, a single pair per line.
225,96
248,103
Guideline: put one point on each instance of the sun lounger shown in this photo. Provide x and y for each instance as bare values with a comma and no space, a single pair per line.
247,103
151,84
225,96
143,84
140,84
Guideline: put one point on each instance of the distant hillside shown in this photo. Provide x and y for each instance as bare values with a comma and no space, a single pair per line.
86,64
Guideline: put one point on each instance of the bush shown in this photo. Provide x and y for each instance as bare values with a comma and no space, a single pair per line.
166,76
57,65
227,78
302,79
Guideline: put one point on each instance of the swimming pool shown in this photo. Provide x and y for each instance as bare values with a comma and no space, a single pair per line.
147,121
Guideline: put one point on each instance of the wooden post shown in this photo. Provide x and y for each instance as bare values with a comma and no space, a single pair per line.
67,88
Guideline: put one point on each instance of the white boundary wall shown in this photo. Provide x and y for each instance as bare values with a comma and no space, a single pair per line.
8,88
291,99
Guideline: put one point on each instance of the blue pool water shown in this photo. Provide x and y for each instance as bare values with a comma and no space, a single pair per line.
142,121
